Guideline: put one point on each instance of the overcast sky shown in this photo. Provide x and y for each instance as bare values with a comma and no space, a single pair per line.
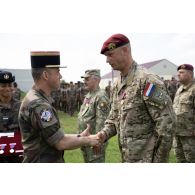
77,29
81,51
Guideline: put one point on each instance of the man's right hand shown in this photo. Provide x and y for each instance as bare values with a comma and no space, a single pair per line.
94,140
102,136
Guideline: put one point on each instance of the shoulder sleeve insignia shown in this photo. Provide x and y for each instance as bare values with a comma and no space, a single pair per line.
155,94
46,115
149,89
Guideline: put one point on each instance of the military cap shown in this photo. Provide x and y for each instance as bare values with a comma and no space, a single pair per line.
45,59
186,67
115,41
88,73
6,77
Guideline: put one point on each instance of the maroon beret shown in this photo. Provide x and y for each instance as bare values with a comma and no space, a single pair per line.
186,67
116,40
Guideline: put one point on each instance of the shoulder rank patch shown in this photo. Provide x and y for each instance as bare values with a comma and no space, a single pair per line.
46,115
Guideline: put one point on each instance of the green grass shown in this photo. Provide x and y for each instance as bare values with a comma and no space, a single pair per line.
69,124
22,94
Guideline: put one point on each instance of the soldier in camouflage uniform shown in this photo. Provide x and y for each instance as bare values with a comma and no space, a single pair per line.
63,98
71,94
141,110
16,91
43,139
94,111
78,96
172,88
55,94
9,109
108,89
184,107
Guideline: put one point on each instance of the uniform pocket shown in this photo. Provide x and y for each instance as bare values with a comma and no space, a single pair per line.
186,106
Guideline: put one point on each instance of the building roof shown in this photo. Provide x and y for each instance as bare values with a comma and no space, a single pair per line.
113,73
150,64
116,73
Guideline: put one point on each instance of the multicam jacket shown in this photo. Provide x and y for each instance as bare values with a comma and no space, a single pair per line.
184,107
142,116
40,128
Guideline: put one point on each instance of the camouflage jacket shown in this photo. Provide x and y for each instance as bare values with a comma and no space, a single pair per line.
9,115
94,111
17,94
40,128
142,115
184,107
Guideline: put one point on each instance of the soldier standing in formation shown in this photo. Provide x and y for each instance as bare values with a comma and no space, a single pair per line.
43,139
71,97
79,100
16,91
141,111
108,89
63,98
172,88
94,111
184,107
9,109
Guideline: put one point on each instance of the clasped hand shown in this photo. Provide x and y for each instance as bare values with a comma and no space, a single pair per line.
95,140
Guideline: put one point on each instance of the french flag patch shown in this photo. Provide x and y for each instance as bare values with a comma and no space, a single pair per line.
149,89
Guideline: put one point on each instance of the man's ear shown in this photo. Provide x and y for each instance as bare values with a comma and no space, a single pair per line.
124,48
45,75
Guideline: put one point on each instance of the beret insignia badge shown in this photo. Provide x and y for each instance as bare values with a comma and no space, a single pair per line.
6,76
112,46
183,66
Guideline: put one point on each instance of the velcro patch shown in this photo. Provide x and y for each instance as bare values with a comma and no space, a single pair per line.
46,115
149,89
155,94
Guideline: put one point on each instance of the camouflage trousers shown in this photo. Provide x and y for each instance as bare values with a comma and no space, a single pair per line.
184,149
89,155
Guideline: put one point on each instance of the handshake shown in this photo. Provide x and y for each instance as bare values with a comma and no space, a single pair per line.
95,141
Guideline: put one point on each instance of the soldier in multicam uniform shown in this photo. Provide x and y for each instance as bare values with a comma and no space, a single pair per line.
9,109
43,139
184,107
94,111
141,110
